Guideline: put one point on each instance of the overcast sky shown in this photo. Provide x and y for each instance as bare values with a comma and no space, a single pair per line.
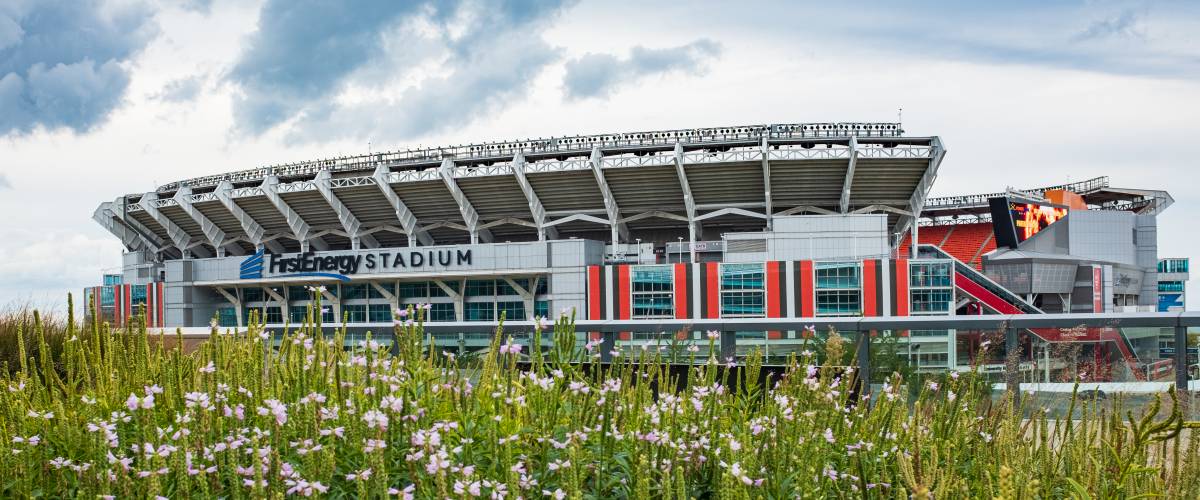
99,99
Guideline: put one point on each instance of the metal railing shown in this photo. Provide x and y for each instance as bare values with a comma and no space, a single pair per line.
554,145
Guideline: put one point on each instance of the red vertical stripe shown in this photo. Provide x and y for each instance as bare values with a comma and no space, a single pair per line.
117,307
594,297
869,287
681,289
127,293
624,298
162,321
774,285
807,297
713,298
901,286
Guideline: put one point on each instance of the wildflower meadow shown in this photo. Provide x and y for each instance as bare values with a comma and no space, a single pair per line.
298,412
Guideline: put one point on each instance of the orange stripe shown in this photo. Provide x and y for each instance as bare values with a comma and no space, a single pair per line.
901,287
772,297
594,297
714,290
806,289
868,288
625,309
681,288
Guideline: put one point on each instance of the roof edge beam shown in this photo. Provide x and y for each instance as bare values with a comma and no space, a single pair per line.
469,215
255,233
408,220
300,229
536,209
216,237
766,168
324,182
689,202
845,202
619,229
180,238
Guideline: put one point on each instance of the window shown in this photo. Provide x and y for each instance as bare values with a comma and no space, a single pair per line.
541,308
327,315
742,294
374,293
512,311
226,317
418,290
252,294
1170,286
837,275
298,293
543,285
379,313
440,311
274,315
652,292
351,292
929,274
297,314
838,289
931,287
931,300
481,288
503,288
1173,266
480,311
838,303
355,313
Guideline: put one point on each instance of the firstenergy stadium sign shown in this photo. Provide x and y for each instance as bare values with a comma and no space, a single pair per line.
342,266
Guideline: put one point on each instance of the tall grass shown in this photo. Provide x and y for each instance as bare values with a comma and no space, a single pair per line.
265,414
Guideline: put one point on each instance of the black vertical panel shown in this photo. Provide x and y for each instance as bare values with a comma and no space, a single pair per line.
603,292
703,291
879,270
783,289
796,275
688,280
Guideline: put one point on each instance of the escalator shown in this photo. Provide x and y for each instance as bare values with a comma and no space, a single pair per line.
969,281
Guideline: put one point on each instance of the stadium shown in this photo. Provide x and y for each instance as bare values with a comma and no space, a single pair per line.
817,220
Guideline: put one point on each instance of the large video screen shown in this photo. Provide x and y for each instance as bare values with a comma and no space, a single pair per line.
1014,221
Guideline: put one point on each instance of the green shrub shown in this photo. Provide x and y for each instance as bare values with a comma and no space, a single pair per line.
266,414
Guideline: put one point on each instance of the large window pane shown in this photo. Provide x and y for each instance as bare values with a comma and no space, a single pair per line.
480,311
440,311
513,311
838,303
652,292
742,293
834,275
379,313
355,313
481,288
929,274
418,290
935,300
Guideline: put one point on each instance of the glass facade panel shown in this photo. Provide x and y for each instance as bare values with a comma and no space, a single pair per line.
481,288
440,311
1173,266
297,314
742,292
652,292
934,300
543,285
479,311
839,302
352,292
1170,286
355,313
503,288
929,274
541,308
274,314
252,294
835,275
512,311
298,293
226,317
379,313
417,290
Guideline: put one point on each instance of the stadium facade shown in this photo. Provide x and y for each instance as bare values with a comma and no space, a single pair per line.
764,221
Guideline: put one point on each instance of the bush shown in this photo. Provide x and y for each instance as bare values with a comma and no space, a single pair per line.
258,415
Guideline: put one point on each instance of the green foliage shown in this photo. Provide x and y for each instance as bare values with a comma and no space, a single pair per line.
267,414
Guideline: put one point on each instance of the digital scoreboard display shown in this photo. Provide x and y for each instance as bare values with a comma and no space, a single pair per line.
1014,221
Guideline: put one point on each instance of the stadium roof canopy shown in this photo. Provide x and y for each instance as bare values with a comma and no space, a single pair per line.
1096,192
656,186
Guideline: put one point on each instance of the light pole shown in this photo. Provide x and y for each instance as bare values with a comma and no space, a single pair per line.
679,251
639,250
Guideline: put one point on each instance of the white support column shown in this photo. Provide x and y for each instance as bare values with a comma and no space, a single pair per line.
300,229
254,231
469,215
180,238
237,306
845,202
689,203
214,234
618,228
535,205
392,298
526,296
937,151
766,169
455,295
324,182
283,303
407,219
